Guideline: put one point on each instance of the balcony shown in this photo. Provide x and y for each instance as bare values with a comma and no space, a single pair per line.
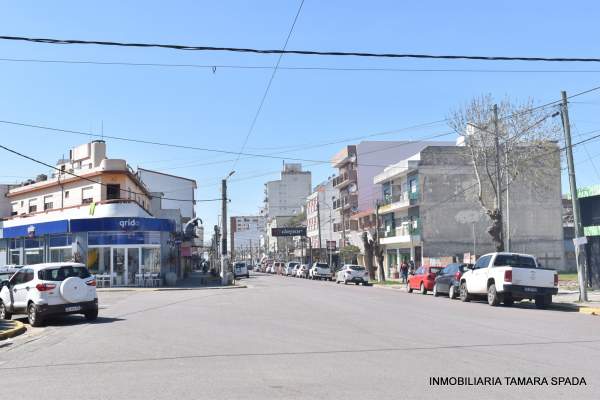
346,202
397,202
351,225
407,232
344,179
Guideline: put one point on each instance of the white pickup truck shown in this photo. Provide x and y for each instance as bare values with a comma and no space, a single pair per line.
509,277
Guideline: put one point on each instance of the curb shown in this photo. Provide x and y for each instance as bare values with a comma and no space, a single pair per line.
17,329
167,289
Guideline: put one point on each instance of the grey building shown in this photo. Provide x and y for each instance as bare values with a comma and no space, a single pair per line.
431,214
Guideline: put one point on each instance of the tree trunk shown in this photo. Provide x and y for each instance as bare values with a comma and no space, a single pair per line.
378,252
495,229
368,245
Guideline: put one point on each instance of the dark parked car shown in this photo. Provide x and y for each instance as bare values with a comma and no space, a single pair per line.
448,280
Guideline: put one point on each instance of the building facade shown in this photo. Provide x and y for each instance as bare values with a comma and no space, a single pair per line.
245,234
93,210
431,214
320,220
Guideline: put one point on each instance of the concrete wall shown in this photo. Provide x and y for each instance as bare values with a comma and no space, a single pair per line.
449,209
173,187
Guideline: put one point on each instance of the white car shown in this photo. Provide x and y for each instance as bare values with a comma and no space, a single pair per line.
302,271
43,290
289,268
352,273
509,277
240,269
320,271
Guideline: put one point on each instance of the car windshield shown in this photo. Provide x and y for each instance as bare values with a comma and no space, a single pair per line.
62,273
435,270
514,260
357,268
240,265
4,276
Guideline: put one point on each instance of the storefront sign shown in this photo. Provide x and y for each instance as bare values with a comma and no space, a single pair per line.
122,224
295,231
42,228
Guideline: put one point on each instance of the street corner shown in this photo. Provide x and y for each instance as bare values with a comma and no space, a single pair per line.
9,329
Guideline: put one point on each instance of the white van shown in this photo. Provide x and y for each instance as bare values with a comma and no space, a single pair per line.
240,269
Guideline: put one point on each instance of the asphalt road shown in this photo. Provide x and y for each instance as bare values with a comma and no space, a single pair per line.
287,338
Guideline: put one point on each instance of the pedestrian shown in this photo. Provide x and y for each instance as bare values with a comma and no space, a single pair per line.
404,270
411,267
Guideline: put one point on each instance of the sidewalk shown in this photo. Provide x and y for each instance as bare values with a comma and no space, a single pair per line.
10,329
196,281
566,299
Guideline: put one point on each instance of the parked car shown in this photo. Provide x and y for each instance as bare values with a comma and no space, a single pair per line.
352,273
302,271
289,268
448,280
509,277
320,271
295,270
43,290
7,271
240,269
423,279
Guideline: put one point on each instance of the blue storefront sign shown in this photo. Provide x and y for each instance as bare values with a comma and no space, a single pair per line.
41,228
122,224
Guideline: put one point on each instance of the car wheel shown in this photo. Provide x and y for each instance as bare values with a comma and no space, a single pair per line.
33,316
408,288
345,282
357,283
4,313
543,302
492,296
422,289
91,315
452,292
248,275
464,293
435,291
508,300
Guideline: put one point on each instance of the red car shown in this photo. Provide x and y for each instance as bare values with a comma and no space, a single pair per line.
423,279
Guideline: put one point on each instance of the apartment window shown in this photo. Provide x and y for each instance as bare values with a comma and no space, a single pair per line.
48,204
113,191
32,205
67,194
14,208
87,196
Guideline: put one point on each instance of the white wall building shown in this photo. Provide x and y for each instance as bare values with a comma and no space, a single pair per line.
178,192
245,233
319,206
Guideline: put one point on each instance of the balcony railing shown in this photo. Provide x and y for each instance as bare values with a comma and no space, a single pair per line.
351,225
346,201
344,179
406,228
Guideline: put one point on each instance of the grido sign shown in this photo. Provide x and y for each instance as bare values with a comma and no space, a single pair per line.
296,231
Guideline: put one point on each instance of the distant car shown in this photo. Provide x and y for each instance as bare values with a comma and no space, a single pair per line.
448,280
320,271
240,269
278,268
43,290
423,279
352,273
295,270
302,271
250,267
289,268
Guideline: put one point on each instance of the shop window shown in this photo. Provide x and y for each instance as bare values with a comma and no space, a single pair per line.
151,259
61,254
113,191
34,251
98,260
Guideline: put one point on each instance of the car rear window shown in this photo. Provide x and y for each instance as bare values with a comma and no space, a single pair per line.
514,260
357,268
61,273
321,265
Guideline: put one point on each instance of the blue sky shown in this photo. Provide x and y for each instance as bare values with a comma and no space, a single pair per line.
206,109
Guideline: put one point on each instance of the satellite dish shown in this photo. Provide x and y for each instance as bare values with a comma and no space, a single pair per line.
352,188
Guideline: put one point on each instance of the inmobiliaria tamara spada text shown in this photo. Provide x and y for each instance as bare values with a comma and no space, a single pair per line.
507,381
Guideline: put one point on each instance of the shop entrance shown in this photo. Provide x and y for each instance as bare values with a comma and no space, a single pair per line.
125,265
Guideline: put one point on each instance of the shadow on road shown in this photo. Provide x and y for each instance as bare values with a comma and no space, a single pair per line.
74,320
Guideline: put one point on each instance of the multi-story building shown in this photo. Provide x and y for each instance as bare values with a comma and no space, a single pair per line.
93,209
357,194
430,216
284,200
320,219
245,233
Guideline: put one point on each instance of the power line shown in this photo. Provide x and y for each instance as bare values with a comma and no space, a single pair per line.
214,67
93,181
262,100
297,52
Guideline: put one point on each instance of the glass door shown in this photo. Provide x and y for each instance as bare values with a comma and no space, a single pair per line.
118,266
133,264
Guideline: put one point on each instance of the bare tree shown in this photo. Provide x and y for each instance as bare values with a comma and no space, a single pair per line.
378,253
368,244
524,133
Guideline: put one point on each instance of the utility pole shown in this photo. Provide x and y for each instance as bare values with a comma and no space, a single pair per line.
380,272
580,256
224,261
498,180
343,234
507,222
319,224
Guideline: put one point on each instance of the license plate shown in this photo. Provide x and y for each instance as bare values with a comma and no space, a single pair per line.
530,289
72,308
